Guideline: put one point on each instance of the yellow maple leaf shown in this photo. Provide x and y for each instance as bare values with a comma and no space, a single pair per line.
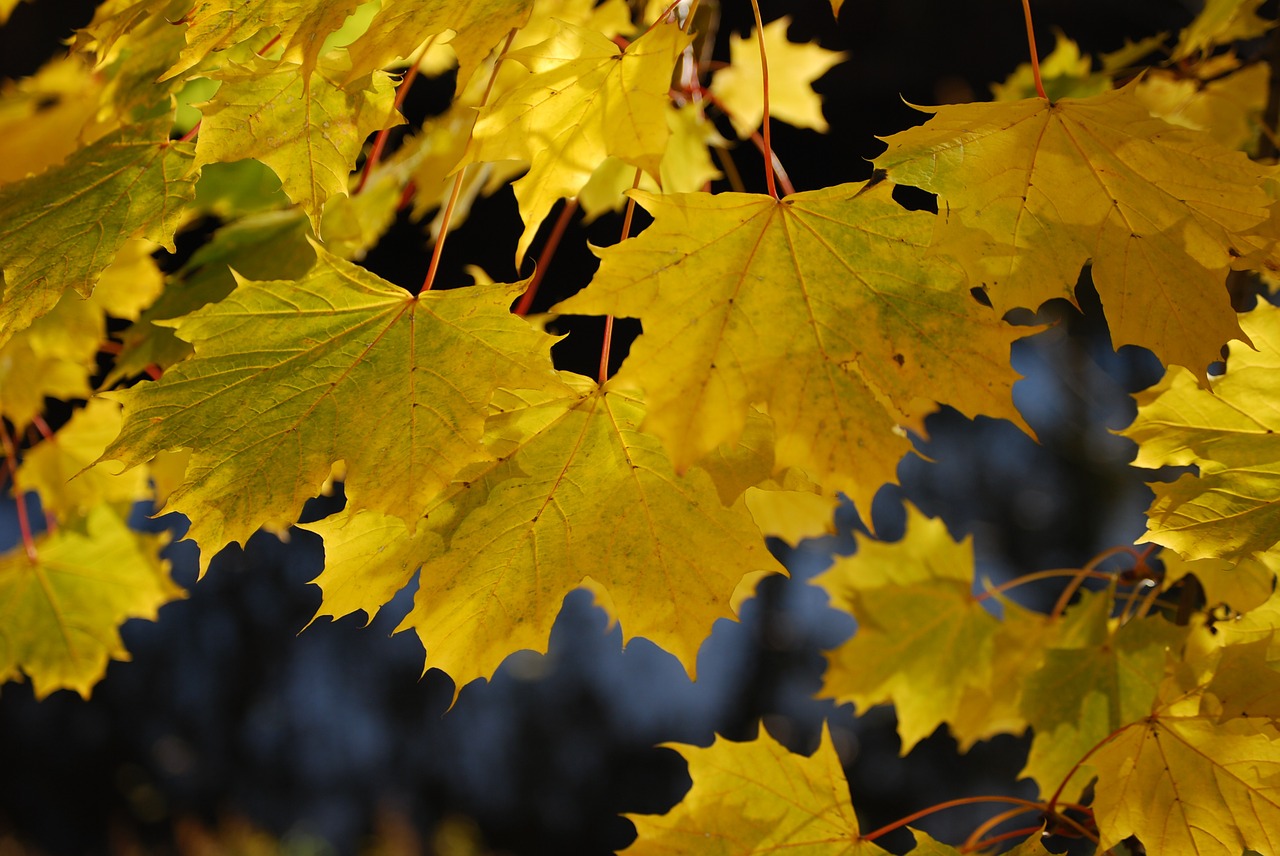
474,29
41,116
922,637
308,129
755,798
585,99
1031,190
1221,22
1226,106
290,377
1229,431
59,615
58,469
577,496
1186,782
739,87
824,307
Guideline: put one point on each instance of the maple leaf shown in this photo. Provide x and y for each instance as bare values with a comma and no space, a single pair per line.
584,100
1183,782
41,116
1221,22
261,247
398,29
218,25
56,355
754,798
1031,190
824,307
59,614
1229,432
1242,585
290,377
1096,677
59,468
308,129
739,86
1226,106
60,229
577,496
922,637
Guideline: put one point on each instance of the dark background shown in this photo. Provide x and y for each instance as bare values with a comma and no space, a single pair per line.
332,740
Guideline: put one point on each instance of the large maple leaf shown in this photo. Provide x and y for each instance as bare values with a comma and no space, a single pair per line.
585,100
824,307
1187,782
1031,190
307,128
290,377
1229,432
59,614
60,229
754,798
577,496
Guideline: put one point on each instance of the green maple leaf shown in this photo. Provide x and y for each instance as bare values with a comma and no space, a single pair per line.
307,128
577,496
1229,432
824,307
60,229
585,99
59,614
289,377
755,798
1031,190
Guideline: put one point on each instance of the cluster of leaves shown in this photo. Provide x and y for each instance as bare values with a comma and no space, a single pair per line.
792,345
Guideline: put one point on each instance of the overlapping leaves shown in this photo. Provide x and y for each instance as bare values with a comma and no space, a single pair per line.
824,307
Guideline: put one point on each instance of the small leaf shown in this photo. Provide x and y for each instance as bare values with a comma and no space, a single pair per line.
59,615
757,798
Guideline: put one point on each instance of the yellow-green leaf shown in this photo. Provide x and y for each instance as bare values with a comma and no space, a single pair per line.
1031,190
922,637
60,229
1232,508
59,615
309,130
399,29
577,496
824,306
1221,22
290,377
755,798
1097,676
301,25
59,469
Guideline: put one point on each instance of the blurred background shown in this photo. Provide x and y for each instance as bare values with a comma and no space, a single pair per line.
233,731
